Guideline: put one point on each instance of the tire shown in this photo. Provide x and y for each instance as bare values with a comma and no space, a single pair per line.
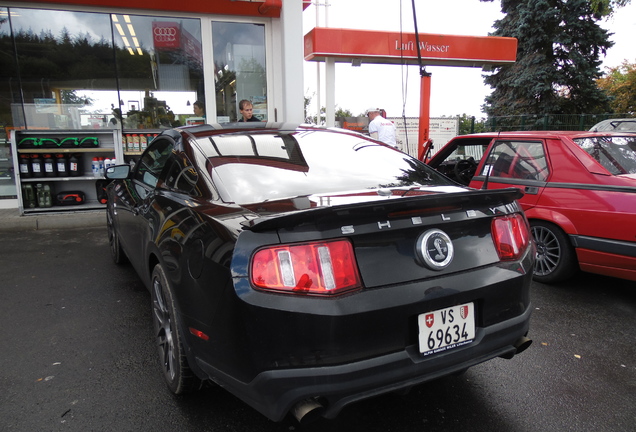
556,258
168,337
116,252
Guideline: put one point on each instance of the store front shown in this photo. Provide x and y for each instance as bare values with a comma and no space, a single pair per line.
72,67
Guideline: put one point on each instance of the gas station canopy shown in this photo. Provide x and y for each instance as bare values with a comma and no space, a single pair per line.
367,46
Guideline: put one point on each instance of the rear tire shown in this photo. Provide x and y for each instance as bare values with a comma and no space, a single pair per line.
556,258
168,337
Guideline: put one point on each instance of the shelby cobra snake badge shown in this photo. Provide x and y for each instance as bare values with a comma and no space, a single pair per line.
435,250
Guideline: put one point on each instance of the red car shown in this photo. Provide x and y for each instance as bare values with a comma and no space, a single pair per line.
579,193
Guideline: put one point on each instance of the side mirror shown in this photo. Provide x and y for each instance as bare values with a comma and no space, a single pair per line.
118,172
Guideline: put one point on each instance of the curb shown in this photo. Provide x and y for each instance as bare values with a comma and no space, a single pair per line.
53,221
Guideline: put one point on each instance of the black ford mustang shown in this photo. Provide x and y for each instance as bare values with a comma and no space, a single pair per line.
304,269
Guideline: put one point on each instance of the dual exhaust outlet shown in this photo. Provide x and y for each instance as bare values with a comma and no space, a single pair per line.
309,410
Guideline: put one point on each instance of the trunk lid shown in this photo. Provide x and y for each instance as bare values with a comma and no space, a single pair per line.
388,231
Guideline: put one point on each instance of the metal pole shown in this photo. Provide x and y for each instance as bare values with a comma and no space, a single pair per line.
425,94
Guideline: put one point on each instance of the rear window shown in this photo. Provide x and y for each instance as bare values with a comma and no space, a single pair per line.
257,167
616,154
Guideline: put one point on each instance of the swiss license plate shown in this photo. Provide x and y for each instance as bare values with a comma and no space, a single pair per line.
445,329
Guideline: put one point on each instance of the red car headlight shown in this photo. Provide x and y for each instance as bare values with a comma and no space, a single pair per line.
319,268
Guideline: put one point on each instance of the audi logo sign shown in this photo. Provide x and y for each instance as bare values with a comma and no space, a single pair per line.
166,35
165,31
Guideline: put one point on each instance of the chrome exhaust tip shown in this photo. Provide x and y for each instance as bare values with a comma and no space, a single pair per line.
307,411
522,344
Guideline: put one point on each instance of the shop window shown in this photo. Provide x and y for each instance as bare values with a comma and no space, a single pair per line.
65,60
160,67
8,90
239,67
81,70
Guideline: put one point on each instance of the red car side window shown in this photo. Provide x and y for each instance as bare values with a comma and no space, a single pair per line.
519,159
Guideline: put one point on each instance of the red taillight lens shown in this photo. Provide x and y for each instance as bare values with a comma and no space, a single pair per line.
511,236
323,268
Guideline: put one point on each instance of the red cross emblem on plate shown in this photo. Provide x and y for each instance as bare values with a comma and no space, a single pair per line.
429,319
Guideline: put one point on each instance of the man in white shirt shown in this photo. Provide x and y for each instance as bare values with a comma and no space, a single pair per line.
381,128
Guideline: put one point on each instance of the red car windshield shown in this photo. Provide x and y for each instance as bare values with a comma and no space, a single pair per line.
617,154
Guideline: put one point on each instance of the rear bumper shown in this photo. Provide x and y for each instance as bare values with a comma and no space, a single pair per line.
275,392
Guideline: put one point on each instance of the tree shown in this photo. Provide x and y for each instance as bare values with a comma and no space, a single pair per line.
620,84
607,7
469,124
559,46
340,113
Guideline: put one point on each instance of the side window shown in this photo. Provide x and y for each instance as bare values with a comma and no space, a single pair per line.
153,161
517,160
180,174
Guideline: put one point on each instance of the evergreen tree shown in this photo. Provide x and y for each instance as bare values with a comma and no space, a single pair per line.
559,46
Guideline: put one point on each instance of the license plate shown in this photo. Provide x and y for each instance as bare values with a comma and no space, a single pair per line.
446,329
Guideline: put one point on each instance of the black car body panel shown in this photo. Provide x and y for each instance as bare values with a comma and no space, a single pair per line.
277,349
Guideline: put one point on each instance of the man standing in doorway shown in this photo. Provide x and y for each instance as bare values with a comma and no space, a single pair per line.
246,109
381,128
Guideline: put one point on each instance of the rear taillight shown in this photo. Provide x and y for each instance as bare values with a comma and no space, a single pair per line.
511,236
320,268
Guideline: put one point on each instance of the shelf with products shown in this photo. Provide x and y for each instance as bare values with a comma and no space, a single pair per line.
86,177
135,141
67,150
62,170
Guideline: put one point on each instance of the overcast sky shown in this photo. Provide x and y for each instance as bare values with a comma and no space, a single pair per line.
454,90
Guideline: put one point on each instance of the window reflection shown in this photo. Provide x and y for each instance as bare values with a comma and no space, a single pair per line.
7,182
239,68
160,66
59,55
69,65
313,163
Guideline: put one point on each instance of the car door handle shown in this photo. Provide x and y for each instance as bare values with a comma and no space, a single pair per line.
531,190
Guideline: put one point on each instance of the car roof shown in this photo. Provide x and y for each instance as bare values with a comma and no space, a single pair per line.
542,134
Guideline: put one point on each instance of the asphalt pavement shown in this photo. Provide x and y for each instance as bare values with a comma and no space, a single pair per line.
78,355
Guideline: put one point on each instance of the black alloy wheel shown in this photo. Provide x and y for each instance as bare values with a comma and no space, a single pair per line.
556,258
116,252
174,364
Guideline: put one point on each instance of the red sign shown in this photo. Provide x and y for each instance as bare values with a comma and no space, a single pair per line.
166,34
345,45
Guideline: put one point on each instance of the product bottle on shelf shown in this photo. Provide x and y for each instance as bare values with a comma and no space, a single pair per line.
73,166
37,167
48,196
95,166
49,166
39,192
28,196
136,142
101,169
143,142
129,142
61,165
25,166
